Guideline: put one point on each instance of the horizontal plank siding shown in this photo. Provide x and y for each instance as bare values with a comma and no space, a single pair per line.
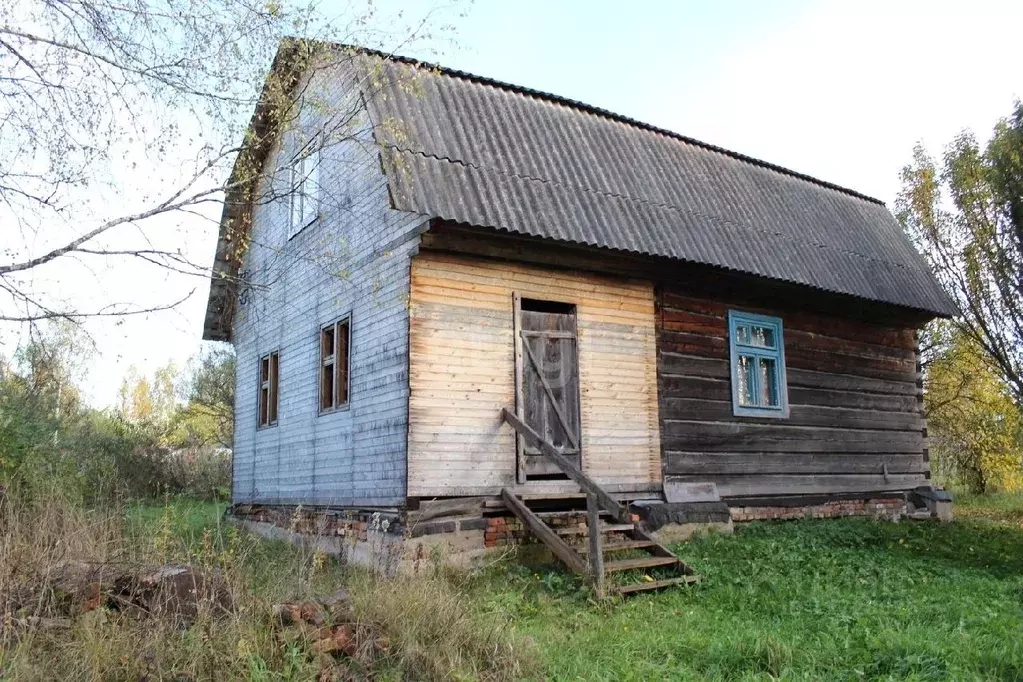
855,422
808,484
730,464
353,260
729,436
461,373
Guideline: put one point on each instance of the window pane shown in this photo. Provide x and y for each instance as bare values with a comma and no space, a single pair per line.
743,372
327,387
311,189
342,362
272,397
768,388
296,174
742,335
326,343
264,369
763,337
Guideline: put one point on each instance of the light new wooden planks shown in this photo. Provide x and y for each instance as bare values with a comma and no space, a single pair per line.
462,371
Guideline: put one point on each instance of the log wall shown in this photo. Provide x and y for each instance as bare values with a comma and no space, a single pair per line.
461,373
855,413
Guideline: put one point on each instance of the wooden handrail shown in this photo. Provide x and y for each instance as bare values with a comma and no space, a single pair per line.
589,486
560,548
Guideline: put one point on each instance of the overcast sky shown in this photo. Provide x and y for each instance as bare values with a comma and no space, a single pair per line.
838,90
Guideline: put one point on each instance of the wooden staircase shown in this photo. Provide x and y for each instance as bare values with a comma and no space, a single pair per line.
610,532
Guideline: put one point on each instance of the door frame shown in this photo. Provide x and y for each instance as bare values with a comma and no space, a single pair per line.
520,366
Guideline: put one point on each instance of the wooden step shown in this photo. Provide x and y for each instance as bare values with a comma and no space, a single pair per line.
656,584
644,562
621,546
568,513
604,528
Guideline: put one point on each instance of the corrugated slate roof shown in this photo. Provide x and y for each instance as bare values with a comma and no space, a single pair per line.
489,154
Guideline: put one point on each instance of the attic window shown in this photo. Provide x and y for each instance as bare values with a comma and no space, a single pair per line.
303,189
334,365
757,351
269,373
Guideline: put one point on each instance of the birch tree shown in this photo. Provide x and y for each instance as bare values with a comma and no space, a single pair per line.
966,216
120,120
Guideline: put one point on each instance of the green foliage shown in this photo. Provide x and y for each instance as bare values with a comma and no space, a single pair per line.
967,219
154,444
208,416
193,409
975,428
146,400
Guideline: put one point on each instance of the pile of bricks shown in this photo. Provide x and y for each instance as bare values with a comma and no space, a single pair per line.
881,508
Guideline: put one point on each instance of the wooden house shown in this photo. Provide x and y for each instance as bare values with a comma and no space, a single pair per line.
659,311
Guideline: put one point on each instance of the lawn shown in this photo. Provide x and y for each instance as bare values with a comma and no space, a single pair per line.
848,599
815,600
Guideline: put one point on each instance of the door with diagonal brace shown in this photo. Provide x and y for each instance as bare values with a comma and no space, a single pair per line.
547,383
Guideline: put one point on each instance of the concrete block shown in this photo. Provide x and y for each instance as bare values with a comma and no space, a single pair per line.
684,491
657,515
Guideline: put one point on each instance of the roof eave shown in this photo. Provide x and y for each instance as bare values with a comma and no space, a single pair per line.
235,221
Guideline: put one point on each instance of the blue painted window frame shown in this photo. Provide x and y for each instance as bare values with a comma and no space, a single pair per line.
737,348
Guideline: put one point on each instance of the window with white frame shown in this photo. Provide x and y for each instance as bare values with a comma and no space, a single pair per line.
304,189
757,350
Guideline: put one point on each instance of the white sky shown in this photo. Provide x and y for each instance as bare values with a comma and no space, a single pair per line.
838,90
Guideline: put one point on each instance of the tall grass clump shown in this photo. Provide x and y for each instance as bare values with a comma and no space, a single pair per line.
437,631
74,604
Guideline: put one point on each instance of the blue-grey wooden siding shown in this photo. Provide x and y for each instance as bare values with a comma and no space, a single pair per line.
355,260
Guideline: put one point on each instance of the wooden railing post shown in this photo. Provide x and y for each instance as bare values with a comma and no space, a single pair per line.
596,540
589,486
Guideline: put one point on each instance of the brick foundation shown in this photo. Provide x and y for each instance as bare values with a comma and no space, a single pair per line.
503,531
887,508
354,525
350,532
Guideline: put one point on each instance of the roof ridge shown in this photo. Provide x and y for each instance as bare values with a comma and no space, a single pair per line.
608,114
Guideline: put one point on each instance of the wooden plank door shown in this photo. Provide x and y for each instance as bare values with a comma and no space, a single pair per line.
547,365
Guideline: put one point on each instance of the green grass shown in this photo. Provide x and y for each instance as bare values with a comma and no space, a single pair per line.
196,528
189,517
842,600
816,600
1005,509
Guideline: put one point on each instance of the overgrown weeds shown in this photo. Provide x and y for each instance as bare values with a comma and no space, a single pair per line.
81,599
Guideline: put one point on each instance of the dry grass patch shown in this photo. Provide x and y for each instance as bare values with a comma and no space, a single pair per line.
97,595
